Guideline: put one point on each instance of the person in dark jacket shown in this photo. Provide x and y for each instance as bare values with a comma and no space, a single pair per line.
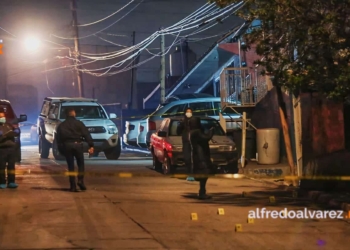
183,129
7,152
201,159
70,136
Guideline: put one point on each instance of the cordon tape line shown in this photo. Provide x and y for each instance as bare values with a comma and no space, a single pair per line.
124,118
124,174
129,174
325,178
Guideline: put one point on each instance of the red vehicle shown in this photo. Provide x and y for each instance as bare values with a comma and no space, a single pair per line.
14,120
166,147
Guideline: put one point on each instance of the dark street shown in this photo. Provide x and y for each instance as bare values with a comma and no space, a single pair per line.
150,212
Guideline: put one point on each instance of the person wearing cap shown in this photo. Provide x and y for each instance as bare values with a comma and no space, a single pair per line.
70,136
7,152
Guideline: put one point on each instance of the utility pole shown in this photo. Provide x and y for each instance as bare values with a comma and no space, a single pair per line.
132,92
76,48
162,70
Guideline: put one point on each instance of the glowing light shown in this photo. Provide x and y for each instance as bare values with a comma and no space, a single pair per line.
32,43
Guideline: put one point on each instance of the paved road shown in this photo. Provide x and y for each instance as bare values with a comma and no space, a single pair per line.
152,212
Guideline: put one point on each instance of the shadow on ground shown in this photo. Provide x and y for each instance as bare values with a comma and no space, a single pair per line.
51,189
259,198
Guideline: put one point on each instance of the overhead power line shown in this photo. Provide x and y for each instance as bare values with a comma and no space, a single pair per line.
72,38
208,14
98,21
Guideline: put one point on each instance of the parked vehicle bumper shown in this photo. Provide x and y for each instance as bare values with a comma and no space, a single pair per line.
219,159
103,144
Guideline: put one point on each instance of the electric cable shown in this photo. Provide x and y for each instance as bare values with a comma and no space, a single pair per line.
69,38
8,32
98,21
143,45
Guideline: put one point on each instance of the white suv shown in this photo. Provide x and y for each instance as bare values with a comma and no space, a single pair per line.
103,131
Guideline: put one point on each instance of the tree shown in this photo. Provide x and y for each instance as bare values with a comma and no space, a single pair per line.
305,43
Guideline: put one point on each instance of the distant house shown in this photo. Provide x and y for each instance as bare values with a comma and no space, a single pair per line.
203,76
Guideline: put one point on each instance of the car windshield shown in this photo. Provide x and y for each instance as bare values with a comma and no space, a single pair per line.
206,125
8,111
85,112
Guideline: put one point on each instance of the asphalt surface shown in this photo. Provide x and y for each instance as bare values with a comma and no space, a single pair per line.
150,212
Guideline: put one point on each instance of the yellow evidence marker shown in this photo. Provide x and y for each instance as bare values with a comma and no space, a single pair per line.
221,211
194,216
251,220
239,228
272,199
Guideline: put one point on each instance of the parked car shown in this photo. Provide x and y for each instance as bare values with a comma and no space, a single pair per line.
28,132
166,147
12,118
206,107
131,133
135,131
103,131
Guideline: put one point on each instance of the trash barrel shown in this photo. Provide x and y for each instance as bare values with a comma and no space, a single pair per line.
268,145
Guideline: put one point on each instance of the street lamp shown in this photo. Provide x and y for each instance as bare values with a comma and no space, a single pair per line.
32,43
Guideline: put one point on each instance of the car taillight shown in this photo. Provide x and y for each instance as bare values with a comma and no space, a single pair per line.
141,128
152,125
169,149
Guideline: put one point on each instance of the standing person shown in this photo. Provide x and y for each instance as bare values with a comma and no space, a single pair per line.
70,135
201,159
184,130
7,152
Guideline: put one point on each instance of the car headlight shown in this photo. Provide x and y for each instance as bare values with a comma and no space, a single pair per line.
112,129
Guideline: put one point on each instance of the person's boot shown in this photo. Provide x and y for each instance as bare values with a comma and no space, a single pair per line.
81,183
203,195
73,186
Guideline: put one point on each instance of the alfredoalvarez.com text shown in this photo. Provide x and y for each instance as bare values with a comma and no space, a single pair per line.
263,213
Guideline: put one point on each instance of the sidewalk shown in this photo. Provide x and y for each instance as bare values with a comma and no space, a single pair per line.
331,200
255,170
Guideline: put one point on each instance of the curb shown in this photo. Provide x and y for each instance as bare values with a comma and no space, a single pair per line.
315,196
325,198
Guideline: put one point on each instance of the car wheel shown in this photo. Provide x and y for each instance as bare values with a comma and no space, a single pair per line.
157,165
113,153
231,168
167,168
44,147
56,153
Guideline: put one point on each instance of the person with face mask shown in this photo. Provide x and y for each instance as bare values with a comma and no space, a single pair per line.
184,128
201,161
7,152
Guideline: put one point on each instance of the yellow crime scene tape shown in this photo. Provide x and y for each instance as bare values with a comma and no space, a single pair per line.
176,115
155,175
123,174
325,178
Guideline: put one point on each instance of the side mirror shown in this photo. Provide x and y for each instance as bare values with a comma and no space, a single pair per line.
162,133
52,116
22,118
112,116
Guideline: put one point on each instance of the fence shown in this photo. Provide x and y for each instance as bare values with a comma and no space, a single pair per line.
242,86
